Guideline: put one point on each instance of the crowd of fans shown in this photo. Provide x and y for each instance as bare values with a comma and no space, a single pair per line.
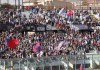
13,24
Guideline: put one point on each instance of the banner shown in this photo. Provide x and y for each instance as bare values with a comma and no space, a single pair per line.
29,28
79,27
48,27
40,28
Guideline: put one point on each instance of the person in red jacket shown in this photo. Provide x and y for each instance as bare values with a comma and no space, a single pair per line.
69,14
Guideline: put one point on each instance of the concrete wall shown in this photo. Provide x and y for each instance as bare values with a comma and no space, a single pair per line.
58,4
51,4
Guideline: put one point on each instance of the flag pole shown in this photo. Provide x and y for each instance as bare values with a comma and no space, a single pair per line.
18,4
22,6
66,5
15,5
0,3
29,5
7,1
84,60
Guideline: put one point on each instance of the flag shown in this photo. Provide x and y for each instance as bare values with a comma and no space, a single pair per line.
81,67
59,45
57,24
62,44
11,43
62,12
37,47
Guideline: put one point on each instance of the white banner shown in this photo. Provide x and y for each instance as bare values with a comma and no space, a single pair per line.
79,27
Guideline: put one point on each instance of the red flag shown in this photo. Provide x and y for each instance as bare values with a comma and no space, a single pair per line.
16,41
12,43
81,67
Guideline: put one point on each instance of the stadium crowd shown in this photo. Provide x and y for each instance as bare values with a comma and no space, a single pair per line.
75,41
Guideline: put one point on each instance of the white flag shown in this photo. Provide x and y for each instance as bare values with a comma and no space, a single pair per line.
62,12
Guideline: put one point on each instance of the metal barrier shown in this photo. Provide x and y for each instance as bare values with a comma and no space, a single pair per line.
69,62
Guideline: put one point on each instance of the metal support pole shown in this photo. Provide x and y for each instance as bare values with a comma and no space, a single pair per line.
43,66
11,65
4,65
19,66
92,63
67,65
84,59
75,61
51,67
59,63
35,65
27,64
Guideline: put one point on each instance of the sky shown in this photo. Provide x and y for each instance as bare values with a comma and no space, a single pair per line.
11,1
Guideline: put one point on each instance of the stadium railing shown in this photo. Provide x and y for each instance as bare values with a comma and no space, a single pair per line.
68,62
